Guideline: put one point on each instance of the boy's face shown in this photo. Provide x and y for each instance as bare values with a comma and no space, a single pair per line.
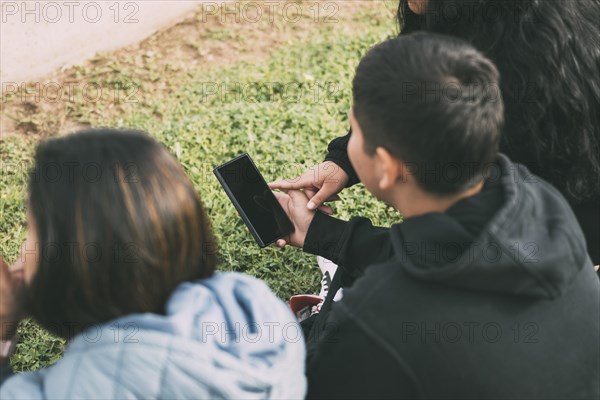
367,166
418,6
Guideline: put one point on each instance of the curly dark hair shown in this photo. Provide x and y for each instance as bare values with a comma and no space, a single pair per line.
548,55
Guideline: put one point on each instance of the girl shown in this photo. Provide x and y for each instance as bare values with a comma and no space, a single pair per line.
120,260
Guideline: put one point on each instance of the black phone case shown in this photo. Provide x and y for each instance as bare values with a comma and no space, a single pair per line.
237,205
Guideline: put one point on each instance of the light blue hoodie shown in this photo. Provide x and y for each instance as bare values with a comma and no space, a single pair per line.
223,337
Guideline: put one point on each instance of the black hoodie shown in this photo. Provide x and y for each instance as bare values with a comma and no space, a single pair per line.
587,212
495,298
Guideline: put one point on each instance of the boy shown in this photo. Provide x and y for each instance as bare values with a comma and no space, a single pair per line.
486,289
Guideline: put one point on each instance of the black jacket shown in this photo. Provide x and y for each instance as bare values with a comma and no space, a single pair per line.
586,212
495,298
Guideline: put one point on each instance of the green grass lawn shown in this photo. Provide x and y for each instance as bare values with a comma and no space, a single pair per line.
290,105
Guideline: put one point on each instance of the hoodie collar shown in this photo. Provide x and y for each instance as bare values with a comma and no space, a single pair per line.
517,236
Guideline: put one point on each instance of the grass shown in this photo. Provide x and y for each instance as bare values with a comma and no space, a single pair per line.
283,109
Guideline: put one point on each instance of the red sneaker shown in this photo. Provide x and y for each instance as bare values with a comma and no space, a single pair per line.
305,305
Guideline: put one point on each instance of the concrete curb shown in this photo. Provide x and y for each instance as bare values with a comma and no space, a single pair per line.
38,37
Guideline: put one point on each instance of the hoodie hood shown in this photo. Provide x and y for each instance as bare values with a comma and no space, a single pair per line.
527,243
223,337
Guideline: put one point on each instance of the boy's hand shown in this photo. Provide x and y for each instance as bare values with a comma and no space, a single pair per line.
321,183
294,204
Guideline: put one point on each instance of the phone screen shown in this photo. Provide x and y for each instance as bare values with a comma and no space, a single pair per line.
254,200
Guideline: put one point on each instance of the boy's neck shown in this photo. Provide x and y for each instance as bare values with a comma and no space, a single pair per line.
418,202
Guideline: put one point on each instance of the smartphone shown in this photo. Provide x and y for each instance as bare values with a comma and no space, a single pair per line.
253,199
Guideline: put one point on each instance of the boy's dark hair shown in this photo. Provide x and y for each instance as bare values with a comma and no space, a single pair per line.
119,226
434,102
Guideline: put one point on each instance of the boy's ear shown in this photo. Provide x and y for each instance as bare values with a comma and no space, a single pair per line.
392,169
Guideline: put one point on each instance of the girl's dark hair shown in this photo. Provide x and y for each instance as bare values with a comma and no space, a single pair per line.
548,55
119,227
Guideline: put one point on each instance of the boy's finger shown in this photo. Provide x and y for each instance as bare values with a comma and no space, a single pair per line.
316,201
298,196
296,183
281,197
310,193
326,209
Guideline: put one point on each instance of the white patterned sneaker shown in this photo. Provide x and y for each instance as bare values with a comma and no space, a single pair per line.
328,269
